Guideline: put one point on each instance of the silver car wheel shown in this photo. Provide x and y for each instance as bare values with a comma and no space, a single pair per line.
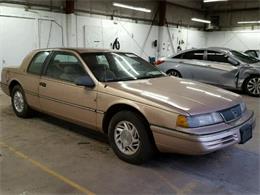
18,101
127,138
253,86
174,73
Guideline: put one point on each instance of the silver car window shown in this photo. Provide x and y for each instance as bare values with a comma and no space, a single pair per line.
217,57
194,55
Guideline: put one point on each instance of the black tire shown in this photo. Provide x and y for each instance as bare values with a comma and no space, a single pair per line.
25,111
146,147
174,73
249,86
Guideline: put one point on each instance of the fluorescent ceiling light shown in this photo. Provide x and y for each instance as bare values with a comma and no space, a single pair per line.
249,22
200,20
209,1
132,7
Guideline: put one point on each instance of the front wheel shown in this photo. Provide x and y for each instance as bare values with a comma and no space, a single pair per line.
129,138
20,106
252,86
174,73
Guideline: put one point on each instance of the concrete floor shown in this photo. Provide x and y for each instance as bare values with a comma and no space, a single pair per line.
46,155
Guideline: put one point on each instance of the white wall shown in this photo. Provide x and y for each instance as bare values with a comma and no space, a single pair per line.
239,39
21,31
188,38
101,33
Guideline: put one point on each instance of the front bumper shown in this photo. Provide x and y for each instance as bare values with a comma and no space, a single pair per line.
169,140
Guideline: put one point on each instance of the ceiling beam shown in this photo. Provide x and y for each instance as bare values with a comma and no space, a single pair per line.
162,13
233,10
70,6
185,7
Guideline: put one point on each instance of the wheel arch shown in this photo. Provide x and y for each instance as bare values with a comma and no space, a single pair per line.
248,77
173,69
112,110
12,84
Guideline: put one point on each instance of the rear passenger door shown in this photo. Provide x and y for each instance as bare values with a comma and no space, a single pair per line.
220,70
193,61
59,95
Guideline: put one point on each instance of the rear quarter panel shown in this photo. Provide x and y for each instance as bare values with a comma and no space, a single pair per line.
27,81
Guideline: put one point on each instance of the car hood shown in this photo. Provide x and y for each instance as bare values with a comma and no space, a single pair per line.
180,94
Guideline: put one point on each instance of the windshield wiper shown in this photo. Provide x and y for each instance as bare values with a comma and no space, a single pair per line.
118,80
151,76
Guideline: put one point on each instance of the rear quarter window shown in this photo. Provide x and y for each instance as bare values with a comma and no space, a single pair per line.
37,62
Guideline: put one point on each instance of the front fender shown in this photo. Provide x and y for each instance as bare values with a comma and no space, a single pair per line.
245,73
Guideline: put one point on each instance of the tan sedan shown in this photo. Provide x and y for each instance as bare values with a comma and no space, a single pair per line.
139,107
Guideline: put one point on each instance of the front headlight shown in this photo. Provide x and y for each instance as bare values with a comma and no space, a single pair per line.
243,107
199,120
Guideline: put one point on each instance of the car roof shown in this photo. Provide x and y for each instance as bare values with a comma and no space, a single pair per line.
78,50
219,49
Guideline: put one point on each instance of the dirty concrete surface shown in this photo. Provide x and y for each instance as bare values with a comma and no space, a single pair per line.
85,158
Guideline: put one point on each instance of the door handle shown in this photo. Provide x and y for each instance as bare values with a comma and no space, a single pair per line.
42,84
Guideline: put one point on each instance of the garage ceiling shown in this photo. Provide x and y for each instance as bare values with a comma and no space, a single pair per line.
197,4
219,6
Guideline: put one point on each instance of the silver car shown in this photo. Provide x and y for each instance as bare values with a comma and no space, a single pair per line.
218,66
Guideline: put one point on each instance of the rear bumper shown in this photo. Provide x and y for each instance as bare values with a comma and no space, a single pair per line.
4,88
169,140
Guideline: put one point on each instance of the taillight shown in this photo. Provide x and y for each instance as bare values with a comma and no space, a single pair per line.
158,62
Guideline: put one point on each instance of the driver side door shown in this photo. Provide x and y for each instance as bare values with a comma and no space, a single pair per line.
60,96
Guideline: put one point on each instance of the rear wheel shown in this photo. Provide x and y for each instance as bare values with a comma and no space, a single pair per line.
129,138
174,73
252,86
20,106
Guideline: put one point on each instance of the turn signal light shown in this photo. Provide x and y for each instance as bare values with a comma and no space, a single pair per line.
182,121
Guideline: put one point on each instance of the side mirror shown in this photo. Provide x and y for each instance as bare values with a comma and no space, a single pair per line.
233,62
85,81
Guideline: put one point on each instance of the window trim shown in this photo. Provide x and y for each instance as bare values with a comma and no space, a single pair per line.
53,54
43,64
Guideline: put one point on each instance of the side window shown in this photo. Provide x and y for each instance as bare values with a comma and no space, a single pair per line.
178,56
194,55
101,59
37,62
65,66
258,54
216,57
251,53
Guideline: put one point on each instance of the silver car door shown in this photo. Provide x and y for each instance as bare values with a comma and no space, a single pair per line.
193,61
219,70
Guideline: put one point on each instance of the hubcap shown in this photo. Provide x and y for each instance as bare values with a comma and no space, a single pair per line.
174,73
253,86
18,101
126,137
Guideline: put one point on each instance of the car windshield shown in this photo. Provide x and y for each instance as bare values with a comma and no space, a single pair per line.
110,66
244,57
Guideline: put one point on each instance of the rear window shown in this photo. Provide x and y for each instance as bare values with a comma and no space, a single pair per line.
37,62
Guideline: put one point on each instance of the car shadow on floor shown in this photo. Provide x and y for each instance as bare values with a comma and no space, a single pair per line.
98,136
